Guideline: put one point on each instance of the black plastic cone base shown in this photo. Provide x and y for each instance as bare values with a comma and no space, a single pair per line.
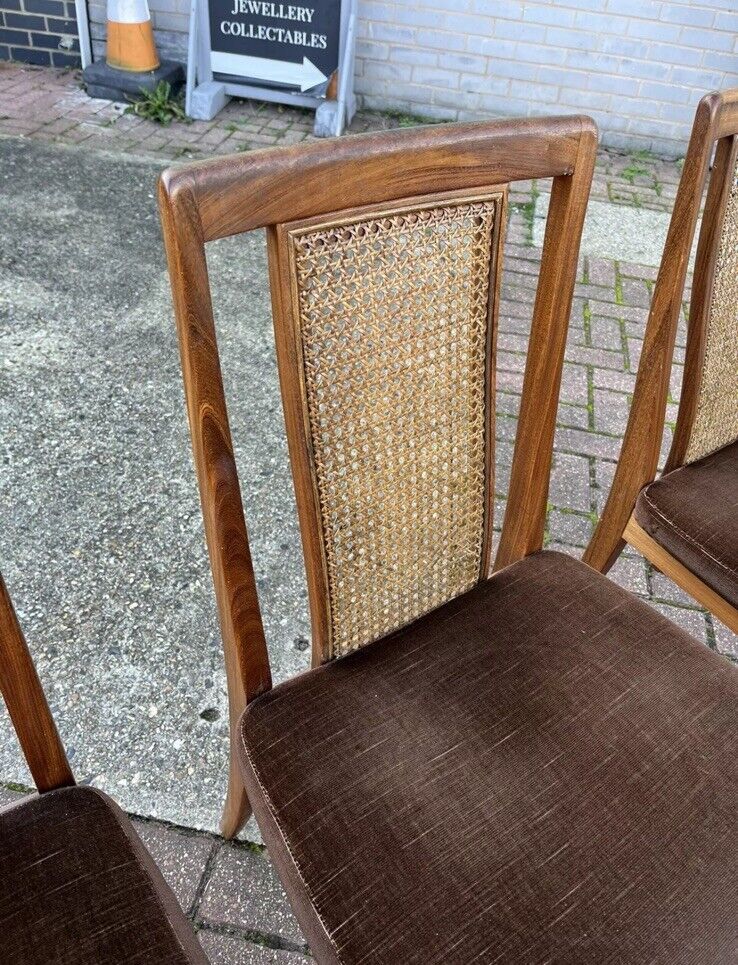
104,81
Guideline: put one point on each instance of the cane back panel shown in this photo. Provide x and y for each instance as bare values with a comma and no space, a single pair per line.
716,418
393,312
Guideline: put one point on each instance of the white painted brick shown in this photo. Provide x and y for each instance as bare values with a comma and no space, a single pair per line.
623,46
720,61
707,39
384,70
471,83
697,79
564,78
601,23
413,55
671,54
727,21
371,50
393,33
546,14
687,14
492,46
435,77
585,100
514,69
510,9
643,69
654,30
632,8
569,39
665,92
678,114
534,54
639,107
510,30
441,39
465,62
624,86
536,93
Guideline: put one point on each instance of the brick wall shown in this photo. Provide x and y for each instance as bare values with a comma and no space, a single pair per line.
638,66
39,32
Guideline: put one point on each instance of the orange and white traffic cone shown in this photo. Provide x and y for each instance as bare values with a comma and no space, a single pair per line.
130,37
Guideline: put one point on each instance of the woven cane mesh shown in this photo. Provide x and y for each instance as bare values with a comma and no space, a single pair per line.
393,322
716,418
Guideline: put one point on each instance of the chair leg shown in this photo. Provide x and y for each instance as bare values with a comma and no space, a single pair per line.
236,810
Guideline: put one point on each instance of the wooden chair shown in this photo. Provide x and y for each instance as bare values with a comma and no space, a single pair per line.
527,766
77,885
686,522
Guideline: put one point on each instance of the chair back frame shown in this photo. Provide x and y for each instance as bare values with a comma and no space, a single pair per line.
274,189
716,120
26,702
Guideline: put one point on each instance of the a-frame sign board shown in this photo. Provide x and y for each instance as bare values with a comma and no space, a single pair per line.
289,53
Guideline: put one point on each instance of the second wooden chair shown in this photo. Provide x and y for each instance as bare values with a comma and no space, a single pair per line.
527,766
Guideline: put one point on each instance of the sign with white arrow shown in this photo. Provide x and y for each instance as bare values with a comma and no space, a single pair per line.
275,44
305,75
299,54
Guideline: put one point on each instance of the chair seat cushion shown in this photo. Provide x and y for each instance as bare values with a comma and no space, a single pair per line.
78,887
693,513
543,769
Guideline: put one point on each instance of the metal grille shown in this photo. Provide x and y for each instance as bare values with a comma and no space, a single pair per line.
716,418
394,319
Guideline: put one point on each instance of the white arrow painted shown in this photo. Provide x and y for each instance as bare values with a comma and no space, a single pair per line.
304,75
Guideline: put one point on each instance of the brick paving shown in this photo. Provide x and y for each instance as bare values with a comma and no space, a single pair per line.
229,890
51,105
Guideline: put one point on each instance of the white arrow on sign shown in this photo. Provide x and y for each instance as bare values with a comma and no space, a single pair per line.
304,75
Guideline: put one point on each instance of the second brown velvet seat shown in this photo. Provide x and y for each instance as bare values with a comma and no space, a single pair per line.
534,772
79,887
693,513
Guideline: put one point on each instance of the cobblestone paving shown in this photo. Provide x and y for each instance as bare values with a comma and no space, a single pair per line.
229,890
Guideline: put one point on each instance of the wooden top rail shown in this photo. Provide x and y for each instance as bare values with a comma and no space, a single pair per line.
240,193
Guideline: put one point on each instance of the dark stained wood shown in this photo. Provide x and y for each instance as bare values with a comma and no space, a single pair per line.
641,447
27,706
260,188
246,658
525,513
268,189
721,182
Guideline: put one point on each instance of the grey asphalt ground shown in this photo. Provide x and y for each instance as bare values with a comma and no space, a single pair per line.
101,540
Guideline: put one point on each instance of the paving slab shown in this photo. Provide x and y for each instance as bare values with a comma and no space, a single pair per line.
243,891
223,949
183,857
633,234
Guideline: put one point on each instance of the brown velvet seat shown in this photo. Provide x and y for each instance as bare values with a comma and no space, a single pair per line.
543,769
78,887
693,513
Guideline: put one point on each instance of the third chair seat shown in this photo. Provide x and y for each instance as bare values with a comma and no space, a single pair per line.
474,786
692,512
